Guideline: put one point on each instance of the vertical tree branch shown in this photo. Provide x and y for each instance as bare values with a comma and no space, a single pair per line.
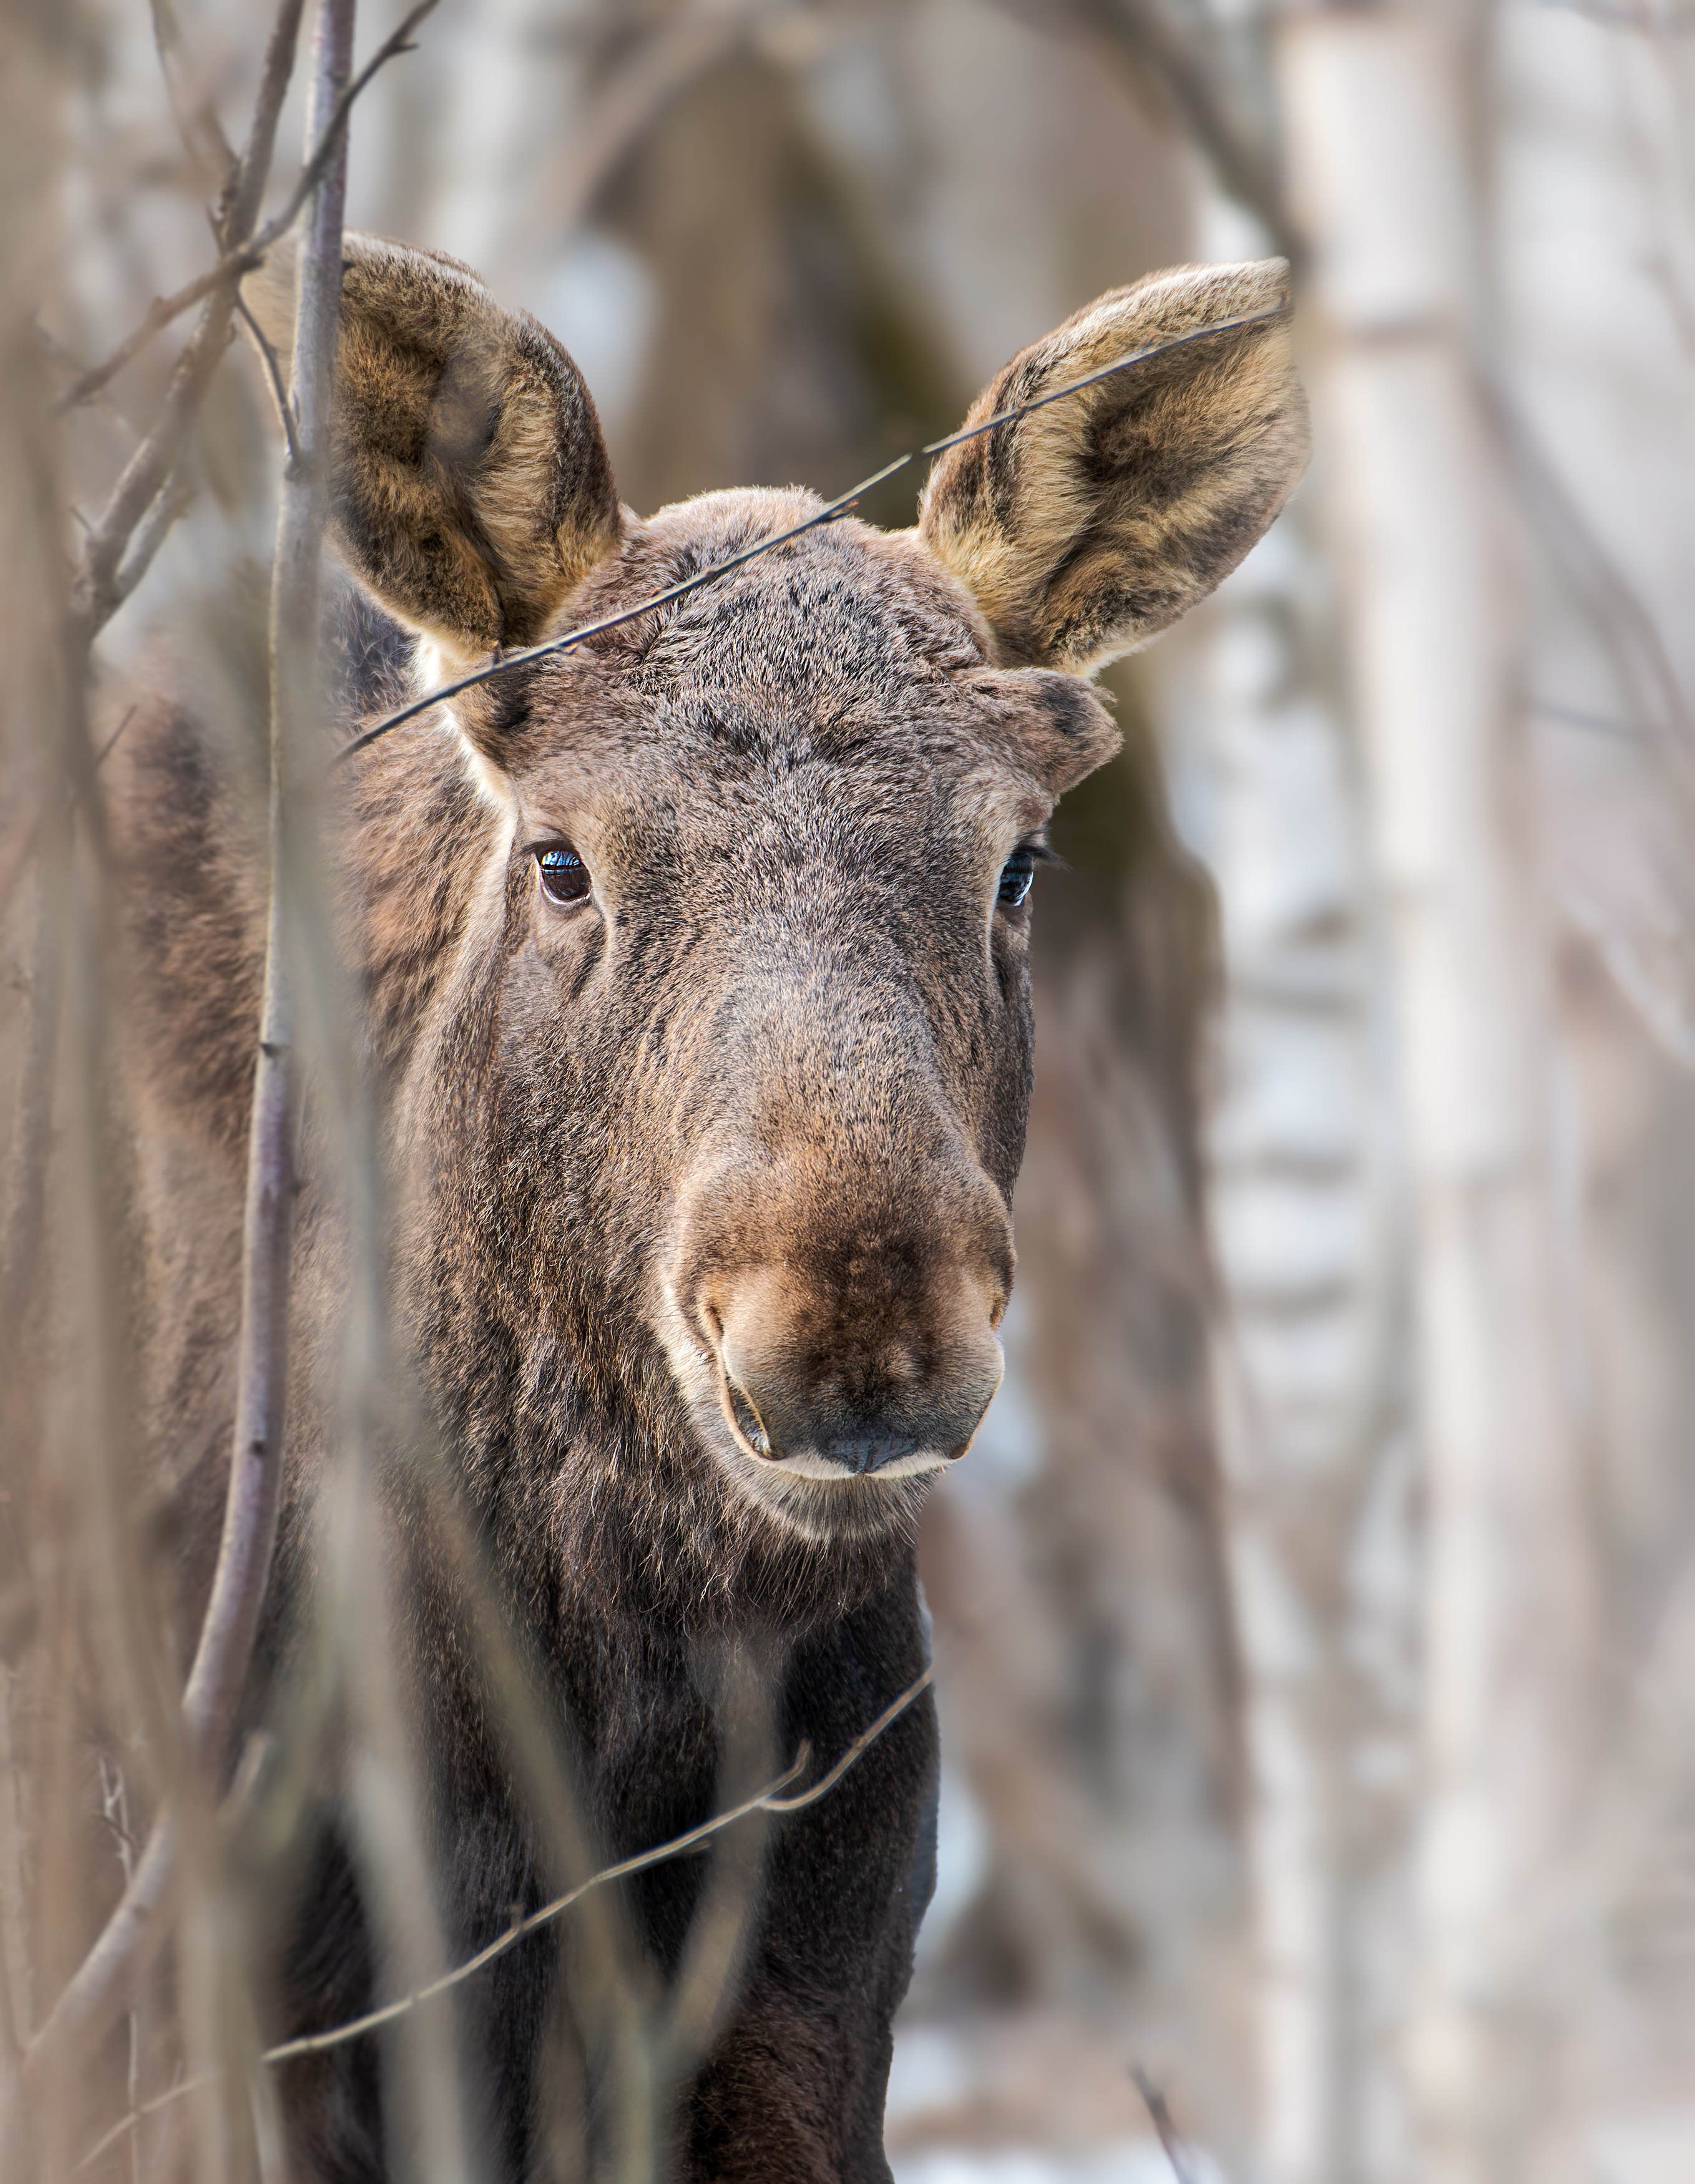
102,1984
247,188
250,1513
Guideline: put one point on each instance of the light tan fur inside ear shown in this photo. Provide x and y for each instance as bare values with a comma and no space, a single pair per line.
470,483
1086,527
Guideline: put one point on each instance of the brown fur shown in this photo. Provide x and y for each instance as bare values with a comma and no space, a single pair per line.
705,1179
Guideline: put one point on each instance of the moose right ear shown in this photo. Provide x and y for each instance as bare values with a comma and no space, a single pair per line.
469,484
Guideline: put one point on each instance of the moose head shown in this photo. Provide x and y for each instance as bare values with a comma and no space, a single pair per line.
702,967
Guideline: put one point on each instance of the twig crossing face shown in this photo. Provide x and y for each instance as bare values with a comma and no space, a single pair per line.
504,663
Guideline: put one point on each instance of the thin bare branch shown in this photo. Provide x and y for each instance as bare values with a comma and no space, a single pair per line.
31,834
160,313
329,144
1159,2111
244,191
238,1588
502,663
101,1984
273,373
243,252
198,126
767,1800
246,188
144,477
315,2044
108,571
857,1750
171,500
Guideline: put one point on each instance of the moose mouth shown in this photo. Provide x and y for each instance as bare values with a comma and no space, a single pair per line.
864,1448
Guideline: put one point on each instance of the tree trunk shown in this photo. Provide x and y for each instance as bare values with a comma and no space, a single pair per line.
1311,1414
1376,122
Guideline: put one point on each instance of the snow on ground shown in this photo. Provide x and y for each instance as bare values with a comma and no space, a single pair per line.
1020,2102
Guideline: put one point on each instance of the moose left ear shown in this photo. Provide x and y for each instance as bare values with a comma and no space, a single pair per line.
1086,527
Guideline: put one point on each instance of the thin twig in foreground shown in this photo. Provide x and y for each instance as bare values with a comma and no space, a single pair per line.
273,372
31,834
1158,2108
115,558
202,134
502,663
234,220
236,217
239,1583
132,1935
245,254
329,142
767,1801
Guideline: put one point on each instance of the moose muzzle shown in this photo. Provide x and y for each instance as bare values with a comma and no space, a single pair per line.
855,1336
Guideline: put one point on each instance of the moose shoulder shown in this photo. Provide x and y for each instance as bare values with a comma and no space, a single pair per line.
692,966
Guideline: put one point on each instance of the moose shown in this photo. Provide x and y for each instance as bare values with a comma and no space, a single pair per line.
691,985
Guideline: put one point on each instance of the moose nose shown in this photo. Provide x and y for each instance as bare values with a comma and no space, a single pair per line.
855,1377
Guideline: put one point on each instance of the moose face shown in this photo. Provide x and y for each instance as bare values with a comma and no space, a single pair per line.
765,868
735,1059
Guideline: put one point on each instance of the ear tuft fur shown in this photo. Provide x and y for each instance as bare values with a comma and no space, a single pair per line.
1085,528
471,485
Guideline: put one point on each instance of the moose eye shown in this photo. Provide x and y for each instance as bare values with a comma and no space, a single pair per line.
1015,877
565,877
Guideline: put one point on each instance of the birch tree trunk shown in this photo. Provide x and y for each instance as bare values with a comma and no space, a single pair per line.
1311,1406
1375,118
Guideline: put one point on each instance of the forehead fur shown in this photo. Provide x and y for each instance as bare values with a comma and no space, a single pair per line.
840,640
840,605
